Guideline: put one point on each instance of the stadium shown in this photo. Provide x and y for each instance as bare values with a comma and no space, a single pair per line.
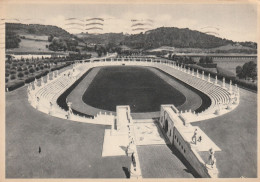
145,106
130,91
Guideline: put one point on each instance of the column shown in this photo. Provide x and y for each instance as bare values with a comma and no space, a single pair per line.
216,80
202,75
209,77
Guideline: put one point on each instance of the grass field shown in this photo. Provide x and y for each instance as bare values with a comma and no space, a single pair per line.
231,64
138,87
31,46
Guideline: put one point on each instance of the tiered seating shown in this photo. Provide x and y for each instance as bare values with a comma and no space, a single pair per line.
53,88
217,94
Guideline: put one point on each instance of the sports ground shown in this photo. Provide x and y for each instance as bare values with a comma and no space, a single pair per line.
145,89
73,150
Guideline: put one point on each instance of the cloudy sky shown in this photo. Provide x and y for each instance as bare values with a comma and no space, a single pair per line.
233,21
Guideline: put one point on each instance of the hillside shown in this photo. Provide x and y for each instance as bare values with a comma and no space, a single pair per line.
28,37
36,38
174,37
37,29
229,48
112,38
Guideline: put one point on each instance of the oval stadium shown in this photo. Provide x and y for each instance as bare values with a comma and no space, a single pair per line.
113,109
129,91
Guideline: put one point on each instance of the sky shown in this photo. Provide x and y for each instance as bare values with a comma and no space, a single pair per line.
237,22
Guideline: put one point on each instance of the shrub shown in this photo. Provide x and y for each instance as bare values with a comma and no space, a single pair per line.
15,85
30,79
20,75
45,73
6,80
7,74
26,73
19,69
31,70
14,64
38,76
208,65
12,72
13,77
7,66
37,68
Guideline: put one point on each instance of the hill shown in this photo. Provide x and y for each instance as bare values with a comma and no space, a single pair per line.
38,38
174,37
106,38
37,29
171,38
229,48
23,36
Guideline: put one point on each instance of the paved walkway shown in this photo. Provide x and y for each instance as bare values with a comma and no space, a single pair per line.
158,161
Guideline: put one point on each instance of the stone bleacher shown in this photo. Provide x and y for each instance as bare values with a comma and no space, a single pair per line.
222,100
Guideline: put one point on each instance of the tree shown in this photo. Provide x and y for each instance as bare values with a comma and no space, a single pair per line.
13,77
12,40
19,69
50,38
20,75
31,70
239,71
202,60
26,73
248,70
32,30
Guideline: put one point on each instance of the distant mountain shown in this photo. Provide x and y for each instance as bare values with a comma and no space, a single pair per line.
174,37
106,38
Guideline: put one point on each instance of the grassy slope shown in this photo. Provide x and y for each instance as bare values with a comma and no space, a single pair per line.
31,46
